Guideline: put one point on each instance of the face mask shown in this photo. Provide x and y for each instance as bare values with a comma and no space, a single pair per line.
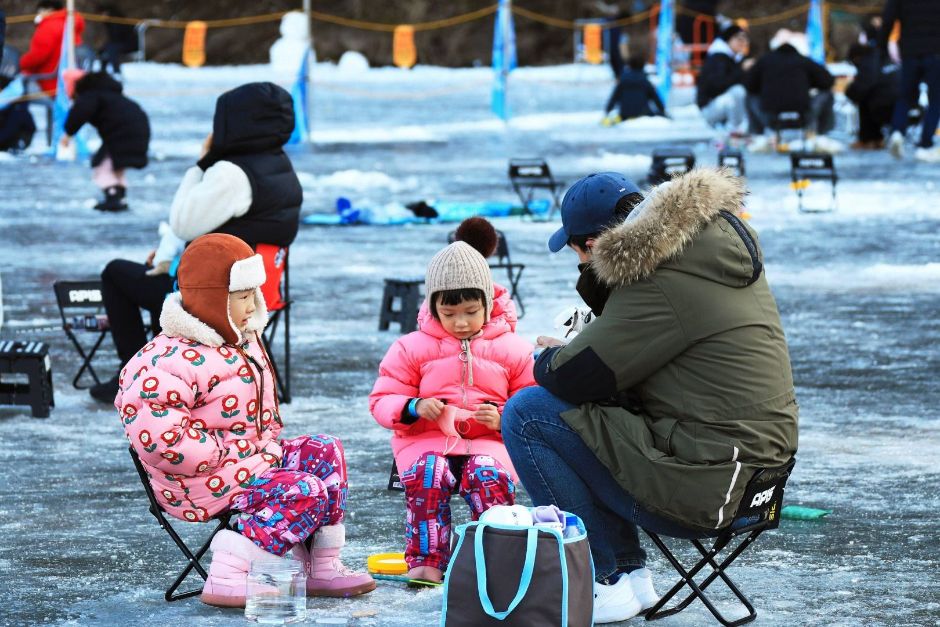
592,291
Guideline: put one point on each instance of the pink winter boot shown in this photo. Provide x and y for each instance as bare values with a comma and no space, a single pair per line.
326,575
227,583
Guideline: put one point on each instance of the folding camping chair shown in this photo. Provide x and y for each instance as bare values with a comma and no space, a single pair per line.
503,262
81,307
192,558
783,121
276,292
668,162
529,175
759,511
733,159
812,166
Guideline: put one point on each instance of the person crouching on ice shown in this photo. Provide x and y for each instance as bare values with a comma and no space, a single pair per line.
441,391
200,409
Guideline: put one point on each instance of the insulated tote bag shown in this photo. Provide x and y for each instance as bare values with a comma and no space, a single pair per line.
519,576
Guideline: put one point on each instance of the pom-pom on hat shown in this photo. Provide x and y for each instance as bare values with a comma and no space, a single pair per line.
459,266
479,233
211,267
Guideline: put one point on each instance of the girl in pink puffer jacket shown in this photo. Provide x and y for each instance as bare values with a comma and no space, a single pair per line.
199,407
441,391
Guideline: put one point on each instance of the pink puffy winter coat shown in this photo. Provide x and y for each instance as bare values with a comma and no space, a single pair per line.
190,409
431,363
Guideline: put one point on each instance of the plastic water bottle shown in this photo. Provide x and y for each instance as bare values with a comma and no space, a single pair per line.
277,592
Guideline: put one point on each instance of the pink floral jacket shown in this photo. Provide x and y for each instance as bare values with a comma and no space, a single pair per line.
201,415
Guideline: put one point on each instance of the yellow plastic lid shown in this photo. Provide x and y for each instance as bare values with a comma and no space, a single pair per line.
387,564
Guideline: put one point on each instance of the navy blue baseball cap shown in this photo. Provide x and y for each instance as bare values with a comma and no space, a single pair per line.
589,204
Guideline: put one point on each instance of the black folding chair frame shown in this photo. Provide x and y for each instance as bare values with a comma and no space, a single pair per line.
768,515
193,562
270,333
529,175
63,300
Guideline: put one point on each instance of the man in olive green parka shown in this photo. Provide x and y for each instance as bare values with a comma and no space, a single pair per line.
658,413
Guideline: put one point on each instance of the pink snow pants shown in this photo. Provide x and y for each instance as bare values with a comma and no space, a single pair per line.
285,505
429,484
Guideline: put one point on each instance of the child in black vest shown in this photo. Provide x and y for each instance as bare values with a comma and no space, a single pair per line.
124,130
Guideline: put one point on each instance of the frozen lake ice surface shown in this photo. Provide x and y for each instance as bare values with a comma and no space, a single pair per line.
858,290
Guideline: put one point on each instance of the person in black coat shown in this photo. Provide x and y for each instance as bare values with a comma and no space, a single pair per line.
781,80
920,62
874,90
3,32
243,184
719,92
634,94
122,39
124,130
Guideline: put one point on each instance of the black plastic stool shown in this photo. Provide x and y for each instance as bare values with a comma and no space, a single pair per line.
31,359
408,291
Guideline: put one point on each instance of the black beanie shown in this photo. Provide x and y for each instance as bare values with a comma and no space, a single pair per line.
730,32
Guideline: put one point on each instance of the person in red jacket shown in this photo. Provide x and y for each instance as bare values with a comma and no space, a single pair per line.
46,45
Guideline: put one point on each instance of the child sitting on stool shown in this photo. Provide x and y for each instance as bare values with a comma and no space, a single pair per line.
466,357
634,95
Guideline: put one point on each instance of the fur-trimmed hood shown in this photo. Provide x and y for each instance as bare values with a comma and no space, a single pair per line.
177,322
662,228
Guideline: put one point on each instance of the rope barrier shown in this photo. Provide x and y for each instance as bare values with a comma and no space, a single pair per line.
445,22
270,17
850,8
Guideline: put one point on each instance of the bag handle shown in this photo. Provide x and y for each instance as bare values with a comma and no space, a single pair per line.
531,544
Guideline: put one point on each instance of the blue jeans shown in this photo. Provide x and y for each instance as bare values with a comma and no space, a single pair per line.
556,467
914,70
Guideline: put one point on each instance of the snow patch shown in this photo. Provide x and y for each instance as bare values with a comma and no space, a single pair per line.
358,180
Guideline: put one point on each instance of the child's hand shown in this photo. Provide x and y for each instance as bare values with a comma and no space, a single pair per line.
488,416
429,408
161,268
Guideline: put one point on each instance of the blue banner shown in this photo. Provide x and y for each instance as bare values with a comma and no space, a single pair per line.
815,33
664,34
299,94
61,104
504,58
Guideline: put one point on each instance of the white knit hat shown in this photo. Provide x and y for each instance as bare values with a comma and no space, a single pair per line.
457,267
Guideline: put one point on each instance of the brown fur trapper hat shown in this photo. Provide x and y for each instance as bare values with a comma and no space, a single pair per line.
213,266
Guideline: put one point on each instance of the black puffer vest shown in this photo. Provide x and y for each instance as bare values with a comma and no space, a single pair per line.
276,196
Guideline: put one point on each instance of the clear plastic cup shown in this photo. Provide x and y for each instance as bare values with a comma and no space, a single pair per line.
277,592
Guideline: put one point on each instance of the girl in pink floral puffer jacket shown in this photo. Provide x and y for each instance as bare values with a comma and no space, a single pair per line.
441,391
199,407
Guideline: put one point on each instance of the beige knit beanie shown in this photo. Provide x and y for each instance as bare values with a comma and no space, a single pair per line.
457,267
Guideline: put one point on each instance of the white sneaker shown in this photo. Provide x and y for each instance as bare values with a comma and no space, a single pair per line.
641,581
828,145
761,143
615,602
896,145
929,155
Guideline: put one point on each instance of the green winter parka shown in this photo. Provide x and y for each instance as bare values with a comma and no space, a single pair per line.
683,384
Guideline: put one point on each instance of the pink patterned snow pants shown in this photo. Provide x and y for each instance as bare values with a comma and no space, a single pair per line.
285,505
429,484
